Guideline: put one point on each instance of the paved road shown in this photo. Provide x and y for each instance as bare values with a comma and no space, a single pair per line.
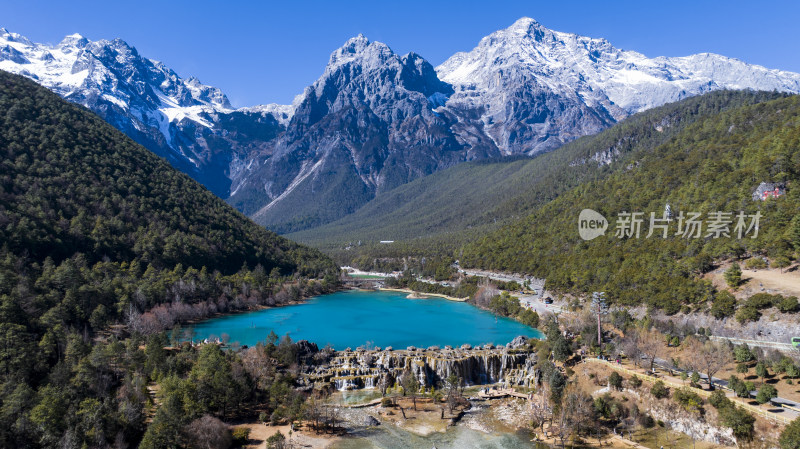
533,301
536,284
760,343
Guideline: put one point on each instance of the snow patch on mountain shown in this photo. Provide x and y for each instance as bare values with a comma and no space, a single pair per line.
113,71
528,57
191,124
375,119
283,113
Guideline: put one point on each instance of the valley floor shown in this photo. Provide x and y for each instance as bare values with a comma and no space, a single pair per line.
492,419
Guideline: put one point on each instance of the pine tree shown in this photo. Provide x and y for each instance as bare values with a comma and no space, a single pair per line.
733,275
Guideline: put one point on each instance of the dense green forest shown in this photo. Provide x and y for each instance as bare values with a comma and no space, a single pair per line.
436,214
712,165
71,184
704,154
97,231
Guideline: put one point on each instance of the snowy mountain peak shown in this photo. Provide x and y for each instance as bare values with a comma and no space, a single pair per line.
359,49
180,119
374,119
74,40
362,72
530,60
359,39
118,46
114,72
534,40
13,37
524,25
351,48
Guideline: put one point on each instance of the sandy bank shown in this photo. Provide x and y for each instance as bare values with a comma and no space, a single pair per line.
412,292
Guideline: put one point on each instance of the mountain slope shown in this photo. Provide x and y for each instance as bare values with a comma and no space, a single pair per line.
190,124
71,183
712,165
367,125
522,90
455,205
104,247
536,88
374,120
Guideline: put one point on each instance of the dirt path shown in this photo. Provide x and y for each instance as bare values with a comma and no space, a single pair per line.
300,438
768,280
787,283
768,411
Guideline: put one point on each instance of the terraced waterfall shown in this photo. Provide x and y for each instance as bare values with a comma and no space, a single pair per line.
362,368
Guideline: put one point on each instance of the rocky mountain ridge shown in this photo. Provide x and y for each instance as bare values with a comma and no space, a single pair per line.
374,120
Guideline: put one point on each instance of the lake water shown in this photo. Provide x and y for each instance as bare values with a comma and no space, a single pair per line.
354,318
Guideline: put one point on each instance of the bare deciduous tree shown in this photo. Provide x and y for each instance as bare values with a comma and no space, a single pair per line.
332,416
541,411
486,291
630,346
575,416
709,357
651,345
207,432
260,367
314,410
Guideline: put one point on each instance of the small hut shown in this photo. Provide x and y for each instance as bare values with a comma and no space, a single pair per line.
767,190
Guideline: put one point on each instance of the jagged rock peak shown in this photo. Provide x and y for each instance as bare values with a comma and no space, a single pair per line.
14,37
356,44
359,48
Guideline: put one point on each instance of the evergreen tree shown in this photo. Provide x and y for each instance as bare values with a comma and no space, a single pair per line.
733,275
790,437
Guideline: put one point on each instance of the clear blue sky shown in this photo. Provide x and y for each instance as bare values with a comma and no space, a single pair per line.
262,51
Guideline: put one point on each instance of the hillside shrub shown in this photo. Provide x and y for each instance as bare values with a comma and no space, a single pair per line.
659,390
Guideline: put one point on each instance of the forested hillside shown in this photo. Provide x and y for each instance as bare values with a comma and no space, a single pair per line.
713,165
97,231
73,184
442,211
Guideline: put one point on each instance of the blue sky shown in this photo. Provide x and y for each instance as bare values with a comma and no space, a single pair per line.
261,52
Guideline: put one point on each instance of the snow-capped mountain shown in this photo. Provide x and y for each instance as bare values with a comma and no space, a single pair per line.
371,122
180,119
536,88
374,119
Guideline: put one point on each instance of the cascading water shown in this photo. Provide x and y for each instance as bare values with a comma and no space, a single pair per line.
365,369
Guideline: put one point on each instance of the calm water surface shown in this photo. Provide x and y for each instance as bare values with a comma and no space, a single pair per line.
353,318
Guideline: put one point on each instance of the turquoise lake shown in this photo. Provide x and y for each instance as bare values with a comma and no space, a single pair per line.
354,318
